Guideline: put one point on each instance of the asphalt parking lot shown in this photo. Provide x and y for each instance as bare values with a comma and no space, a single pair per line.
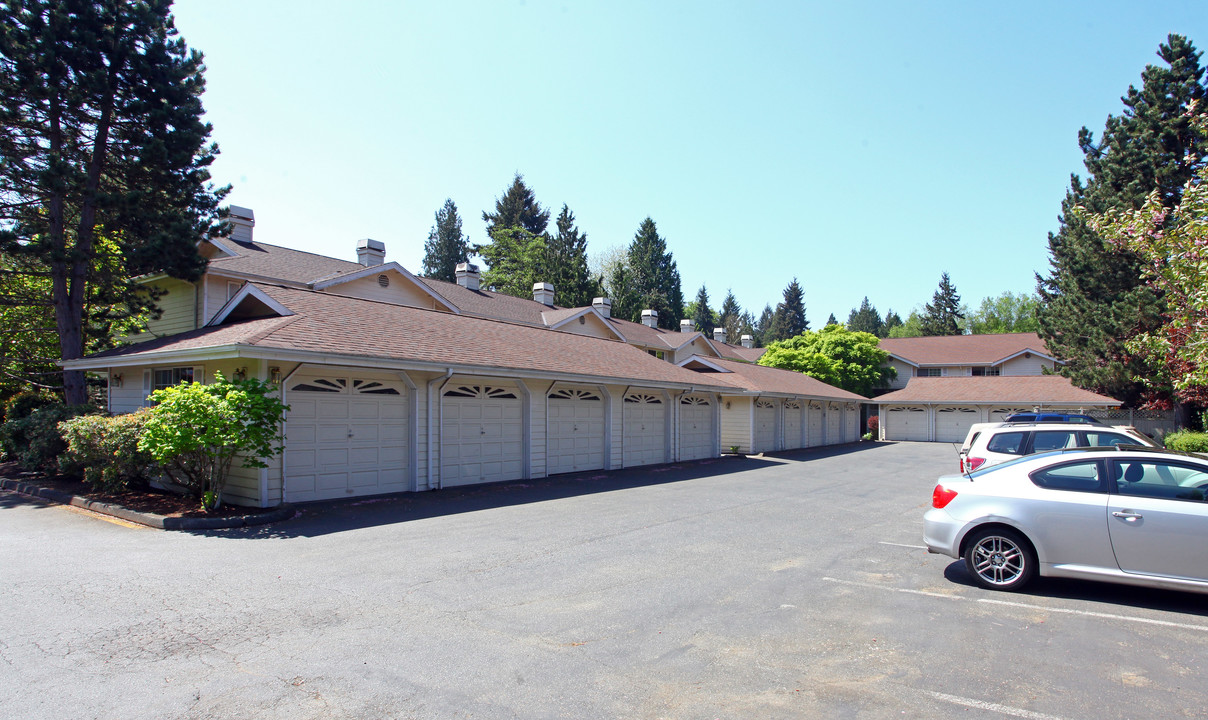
779,587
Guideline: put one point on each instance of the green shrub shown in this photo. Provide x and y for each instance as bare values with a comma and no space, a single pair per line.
1187,441
34,441
22,404
104,450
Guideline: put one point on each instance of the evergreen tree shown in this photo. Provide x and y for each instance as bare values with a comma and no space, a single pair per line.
655,277
866,319
763,326
101,138
517,208
446,246
1094,298
516,260
943,314
567,262
626,303
830,320
892,320
730,318
746,326
703,318
789,318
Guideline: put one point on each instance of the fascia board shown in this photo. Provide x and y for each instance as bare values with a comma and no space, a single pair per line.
1037,353
387,267
223,352
253,291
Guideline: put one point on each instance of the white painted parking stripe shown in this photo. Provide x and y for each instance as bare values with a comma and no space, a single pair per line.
1026,606
992,707
916,547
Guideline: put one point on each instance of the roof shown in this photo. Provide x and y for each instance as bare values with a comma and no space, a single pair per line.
1019,389
758,378
281,263
963,349
738,352
339,325
490,304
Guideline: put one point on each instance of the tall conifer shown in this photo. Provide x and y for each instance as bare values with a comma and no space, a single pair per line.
517,208
943,314
446,246
654,276
567,263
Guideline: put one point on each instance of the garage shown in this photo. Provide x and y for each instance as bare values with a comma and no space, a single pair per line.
906,423
696,428
852,420
346,435
574,430
765,426
645,434
817,424
952,423
792,424
482,434
834,424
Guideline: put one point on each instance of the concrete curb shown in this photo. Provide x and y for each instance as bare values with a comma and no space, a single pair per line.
159,522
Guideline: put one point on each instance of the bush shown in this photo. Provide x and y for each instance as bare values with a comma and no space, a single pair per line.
104,450
874,422
22,404
34,441
1187,441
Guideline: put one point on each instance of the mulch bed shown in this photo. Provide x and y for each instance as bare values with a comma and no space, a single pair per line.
156,502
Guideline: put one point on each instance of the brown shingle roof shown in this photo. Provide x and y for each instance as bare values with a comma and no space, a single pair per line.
490,304
280,263
1022,389
758,378
963,349
738,352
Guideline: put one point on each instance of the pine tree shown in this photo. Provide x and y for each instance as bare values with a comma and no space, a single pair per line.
567,262
892,320
655,277
830,320
517,208
446,246
789,318
1094,298
943,314
730,318
101,140
516,260
763,326
866,319
626,303
703,318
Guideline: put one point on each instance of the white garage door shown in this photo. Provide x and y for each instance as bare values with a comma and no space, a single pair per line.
696,428
765,426
906,423
645,436
792,424
575,430
853,423
817,424
834,424
482,436
1000,414
346,435
952,423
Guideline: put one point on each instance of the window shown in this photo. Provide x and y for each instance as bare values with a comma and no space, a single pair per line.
1161,479
1095,438
1046,440
1080,477
1008,443
657,353
927,372
167,377
986,371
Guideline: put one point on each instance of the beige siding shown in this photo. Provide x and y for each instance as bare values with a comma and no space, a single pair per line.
537,426
696,347
400,291
591,326
736,423
1026,366
216,291
904,373
177,310
616,453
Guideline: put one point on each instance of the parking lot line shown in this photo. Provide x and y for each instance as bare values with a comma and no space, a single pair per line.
992,707
1025,606
916,547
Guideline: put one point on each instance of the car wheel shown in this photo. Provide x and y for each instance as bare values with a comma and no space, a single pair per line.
1000,559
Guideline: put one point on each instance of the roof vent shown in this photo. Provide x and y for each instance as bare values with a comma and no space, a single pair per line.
603,306
719,334
543,293
686,325
371,252
748,341
467,275
242,221
650,318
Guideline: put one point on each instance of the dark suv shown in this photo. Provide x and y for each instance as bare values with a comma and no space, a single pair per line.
1052,417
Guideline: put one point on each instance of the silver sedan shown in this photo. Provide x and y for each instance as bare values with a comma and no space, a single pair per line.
1128,515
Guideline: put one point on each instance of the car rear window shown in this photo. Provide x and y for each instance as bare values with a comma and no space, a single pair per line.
1107,439
1079,476
1046,440
1010,443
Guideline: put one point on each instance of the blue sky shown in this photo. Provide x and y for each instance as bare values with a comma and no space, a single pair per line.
863,148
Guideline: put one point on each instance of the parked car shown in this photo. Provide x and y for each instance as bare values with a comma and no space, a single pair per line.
992,443
1053,417
1128,515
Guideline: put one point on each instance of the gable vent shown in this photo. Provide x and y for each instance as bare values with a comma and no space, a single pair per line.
383,281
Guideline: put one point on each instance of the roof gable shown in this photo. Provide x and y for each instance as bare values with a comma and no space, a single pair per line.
964,349
567,319
250,302
344,281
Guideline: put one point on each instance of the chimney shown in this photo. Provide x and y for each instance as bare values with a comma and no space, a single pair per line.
719,334
543,293
371,252
686,326
467,276
650,318
748,341
603,306
242,221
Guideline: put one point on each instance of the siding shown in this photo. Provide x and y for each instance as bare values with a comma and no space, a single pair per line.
215,293
177,310
1026,366
400,291
592,326
736,423
616,453
537,426
904,374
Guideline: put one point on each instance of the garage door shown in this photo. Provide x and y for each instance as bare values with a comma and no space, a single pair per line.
575,430
1000,414
346,435
696,428
792,424
852,418
645,437
482,435
906,423
765,426
834,424
952,423
817,424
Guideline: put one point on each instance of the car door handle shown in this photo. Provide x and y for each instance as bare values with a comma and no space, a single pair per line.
1126,514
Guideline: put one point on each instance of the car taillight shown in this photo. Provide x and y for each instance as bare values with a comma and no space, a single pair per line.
941,496
973,463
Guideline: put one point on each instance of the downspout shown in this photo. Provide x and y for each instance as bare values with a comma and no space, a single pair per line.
432,386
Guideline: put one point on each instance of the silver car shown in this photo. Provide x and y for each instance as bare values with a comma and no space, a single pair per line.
1128,515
